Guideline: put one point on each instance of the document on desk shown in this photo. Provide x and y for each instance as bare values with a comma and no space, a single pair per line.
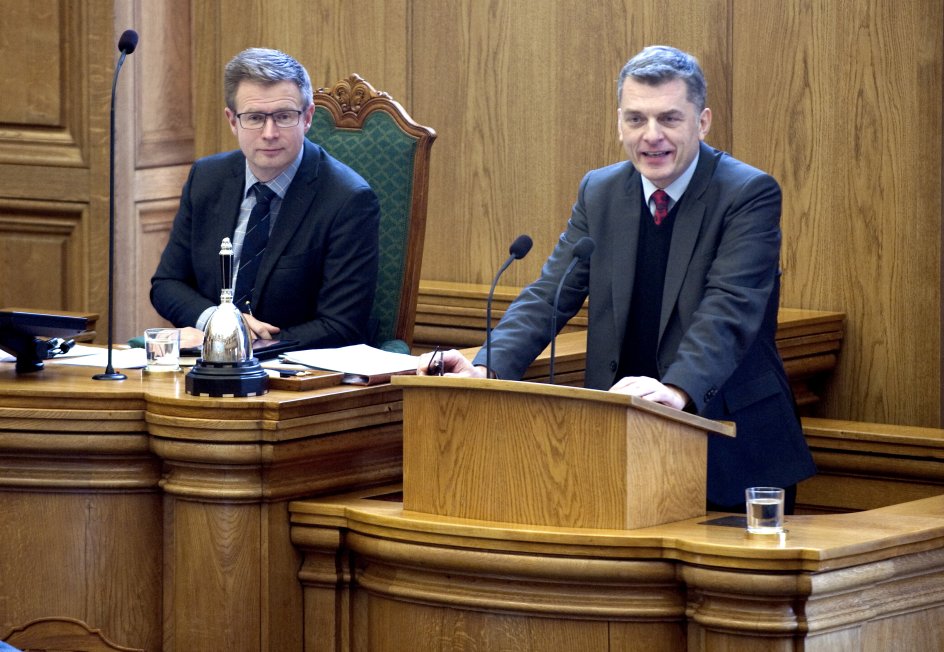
361,364
96,356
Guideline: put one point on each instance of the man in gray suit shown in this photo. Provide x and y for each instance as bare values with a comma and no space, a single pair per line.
315,272
683,283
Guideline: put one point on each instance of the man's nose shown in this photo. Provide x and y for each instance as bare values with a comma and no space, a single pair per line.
269,128
653,130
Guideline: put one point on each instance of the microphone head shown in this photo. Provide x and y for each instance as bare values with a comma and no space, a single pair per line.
584,248
521,246
128,41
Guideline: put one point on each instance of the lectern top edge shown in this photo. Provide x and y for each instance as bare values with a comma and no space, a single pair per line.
562,391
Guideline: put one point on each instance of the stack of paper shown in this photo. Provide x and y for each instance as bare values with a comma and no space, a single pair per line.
361,364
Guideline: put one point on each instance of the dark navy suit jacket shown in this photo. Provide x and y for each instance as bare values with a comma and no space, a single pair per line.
319,271
718,318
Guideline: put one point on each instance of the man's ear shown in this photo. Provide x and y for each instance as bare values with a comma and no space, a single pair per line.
704,123
231,119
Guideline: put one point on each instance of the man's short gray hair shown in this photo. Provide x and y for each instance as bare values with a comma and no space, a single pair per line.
264,66
658,64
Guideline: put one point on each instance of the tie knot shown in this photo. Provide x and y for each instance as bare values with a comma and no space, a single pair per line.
264,193
661,200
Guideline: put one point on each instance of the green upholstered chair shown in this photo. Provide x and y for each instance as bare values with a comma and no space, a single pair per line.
373,134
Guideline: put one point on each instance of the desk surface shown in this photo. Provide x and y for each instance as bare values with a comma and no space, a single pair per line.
69,396
812,542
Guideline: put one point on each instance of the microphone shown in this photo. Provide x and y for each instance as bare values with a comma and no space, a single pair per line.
518,249
128,41
582,251
126,45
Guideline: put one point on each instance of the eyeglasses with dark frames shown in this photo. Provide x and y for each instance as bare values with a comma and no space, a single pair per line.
282,119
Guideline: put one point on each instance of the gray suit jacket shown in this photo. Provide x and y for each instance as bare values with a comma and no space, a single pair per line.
319,271
719,311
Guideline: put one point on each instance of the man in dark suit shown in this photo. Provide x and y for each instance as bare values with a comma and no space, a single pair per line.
313,278
683,287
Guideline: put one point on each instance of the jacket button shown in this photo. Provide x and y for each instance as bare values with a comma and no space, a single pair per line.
710,394
613,366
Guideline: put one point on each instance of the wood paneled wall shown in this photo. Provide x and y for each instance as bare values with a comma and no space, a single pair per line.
840,100
843,105
53,153
154,149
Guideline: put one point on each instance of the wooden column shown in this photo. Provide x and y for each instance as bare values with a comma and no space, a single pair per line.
161,519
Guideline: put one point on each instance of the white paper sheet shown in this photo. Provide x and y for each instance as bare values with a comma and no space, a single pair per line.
94,356
359,359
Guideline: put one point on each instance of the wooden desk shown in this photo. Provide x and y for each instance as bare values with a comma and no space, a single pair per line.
377,577
868,465
162,519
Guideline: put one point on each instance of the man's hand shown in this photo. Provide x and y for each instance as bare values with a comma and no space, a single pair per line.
261,330
651,390
190,337
454,364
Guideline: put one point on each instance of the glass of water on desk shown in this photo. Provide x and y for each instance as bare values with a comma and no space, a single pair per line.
163,349
764,510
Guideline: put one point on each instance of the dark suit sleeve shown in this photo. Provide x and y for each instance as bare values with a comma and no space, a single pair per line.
719,329
348,277
525,329
175,291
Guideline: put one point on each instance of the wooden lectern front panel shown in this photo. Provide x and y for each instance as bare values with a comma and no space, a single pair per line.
564,457
514,463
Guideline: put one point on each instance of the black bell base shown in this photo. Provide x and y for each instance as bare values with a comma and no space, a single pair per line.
227,379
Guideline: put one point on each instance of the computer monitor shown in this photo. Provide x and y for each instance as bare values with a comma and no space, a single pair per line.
31,336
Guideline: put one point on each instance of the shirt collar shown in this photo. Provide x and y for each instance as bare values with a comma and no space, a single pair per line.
677,188
279,184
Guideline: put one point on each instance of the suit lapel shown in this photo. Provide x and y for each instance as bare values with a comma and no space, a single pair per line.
624,233
688,221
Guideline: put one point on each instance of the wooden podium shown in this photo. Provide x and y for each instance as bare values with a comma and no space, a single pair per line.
535,454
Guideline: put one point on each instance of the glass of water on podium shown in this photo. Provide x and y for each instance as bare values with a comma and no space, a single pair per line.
764,510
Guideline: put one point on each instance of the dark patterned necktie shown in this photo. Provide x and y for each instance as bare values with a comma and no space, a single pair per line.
661,199
254,244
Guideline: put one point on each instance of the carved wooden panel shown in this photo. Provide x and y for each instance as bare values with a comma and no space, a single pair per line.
68,561
42,254
53,154
163,99
62,634
44,90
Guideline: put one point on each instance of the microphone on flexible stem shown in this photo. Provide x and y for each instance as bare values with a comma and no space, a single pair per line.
518,249
582,251
126,45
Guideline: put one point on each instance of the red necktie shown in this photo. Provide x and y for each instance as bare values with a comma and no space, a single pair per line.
661,199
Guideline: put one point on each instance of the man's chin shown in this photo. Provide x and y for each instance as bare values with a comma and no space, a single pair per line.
660,176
